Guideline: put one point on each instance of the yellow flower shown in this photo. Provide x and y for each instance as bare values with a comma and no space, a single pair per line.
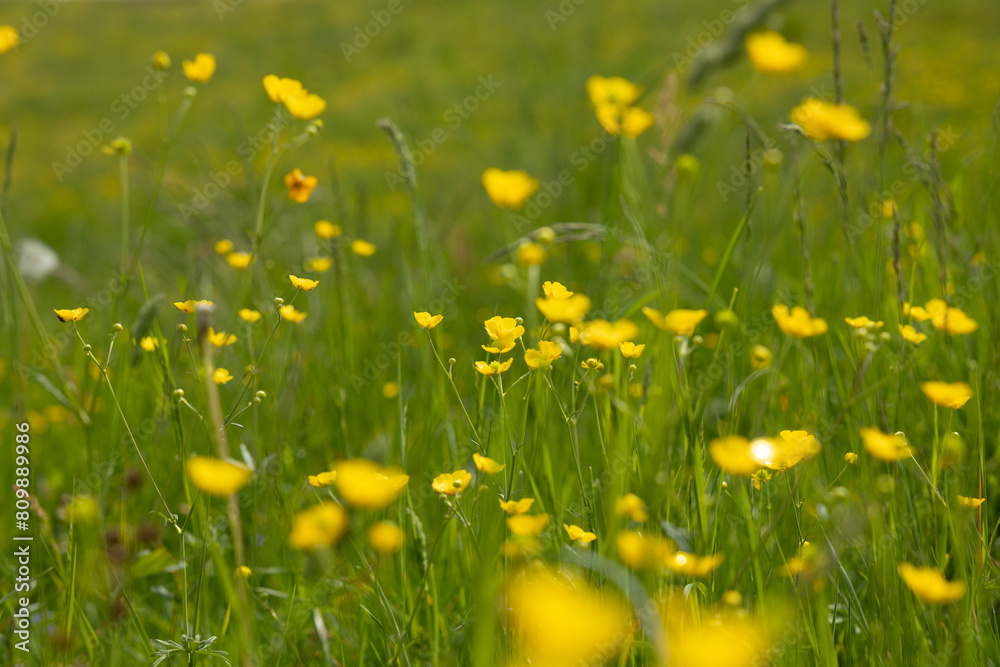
910,334
916,312
323,479
450,483
631,506
690,565
327,230
760,357
799,322
543,357
612,90
850,458
249,316
592,364
494,367
220,339
281,89
239,260
321,525
509,189
732,455
201,69
221,376
714,640
217,477
930,585
530,254
884,446
680,322
299,186
318,264
303,284
820,121
487,465
521,506
965,501
863,322
563,309
605,335
9,39
527,525
224,247
503,331
554,290
363,248
427,321
579,535
640,551
947,394
71,314
784,452
384,537
366,484
771,54
190,305
631,350
243,572
953,321
148,343
82,508
390,390
628,121
290,314
305,106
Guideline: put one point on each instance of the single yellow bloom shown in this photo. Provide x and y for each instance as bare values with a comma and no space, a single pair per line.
239,260
690,565
384,537
451,483
280,89
631,350
889,209
785,451
639,551
760,357
503,330
527,525
148,343
579,535
530,254
947,394
798,323
627,121
390,390
554,290
318,264
299,186
327,230
494,367
249,316
863,322
820,121
243,572
965,501
190,305
290,314
217,477
521,506
201,69
614,90
850,458
563,309
427,321
321,525
714,640
910,334
930,585
770,53
220,339
918,313
221,376
487,465
306,106
71,314
605,335
82,508
543,357
732,455
303,284
953,321
631,506
9,38
366,484
884,446
679,322
509,189
363,248
224,247
323,479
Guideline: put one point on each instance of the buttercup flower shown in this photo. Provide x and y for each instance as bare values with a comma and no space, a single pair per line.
290,314
451,483
494,367
631,506
303,284
306,106
318,264
201,69
732,455
965,501
217,477
366,484
487,465
629,121
680,322
760,357
239,260
148,343
300,186
249,316
71,314
592,364
605,335
691,565
221,376
224,247
504,331
579,535
771,54
323,479
821,121
9,39
220,339
362,248
327,230
554,290
612,90
190,305
639,551
930,585
517,506
952,321
530,254
527,525
884,446
630,350
509,189
321,525
543,357
863,322
799,323
427,321
910,334
280,89
384,537
918,313
563,309
947,394
850,458
784,451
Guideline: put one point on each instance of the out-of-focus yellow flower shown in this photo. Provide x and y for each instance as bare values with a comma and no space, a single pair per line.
638,551
280,89
366,484
509,189
522,506
190,305
486,464
554,290
390,390
579,535
220,339
321,525
290,314
221,376
850,458
160,60
889,208
564,309
732,455
820,121
680,322
217,477
527,525
612,90
559,620
9,39
910,334
798,323
323,479
363,248
630,350
148,343
249,316
543,357
300,186
451,483
224,247
884,446
327,230
863,322
784,451
952,321
770,53
239,260
494,367
427,321
930,584
760,357
318,264
606,335
384,537
304,284
918,313
631,506
82,508
947,394
716,639
530,254
504,331
242,572
691,565
201,69
306,106
965,501
627,121
71,314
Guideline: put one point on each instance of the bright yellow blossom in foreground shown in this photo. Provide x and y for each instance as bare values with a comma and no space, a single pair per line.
630,350
579,535
770,53
305,106
327,230
965,501
509,189
719,639
784,451
201,69
71,314
821,121
221,376
323,479
427,321
631,506
564,309
629,121
486,464
451,483
930,585
639,551
691,565
220,339
290,314
318,264
798,323
300,186
952,321
363,248
522,506
304,284
947,394
9,39
384,537
612,90
190,305
543,357
249,316
554,290
910,334
863,322
321,525
368,485
606,335
239,260
884,446
503,331
527,525
494,367
732,455
217,477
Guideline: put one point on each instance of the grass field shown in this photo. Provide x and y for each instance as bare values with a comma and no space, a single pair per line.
761,431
